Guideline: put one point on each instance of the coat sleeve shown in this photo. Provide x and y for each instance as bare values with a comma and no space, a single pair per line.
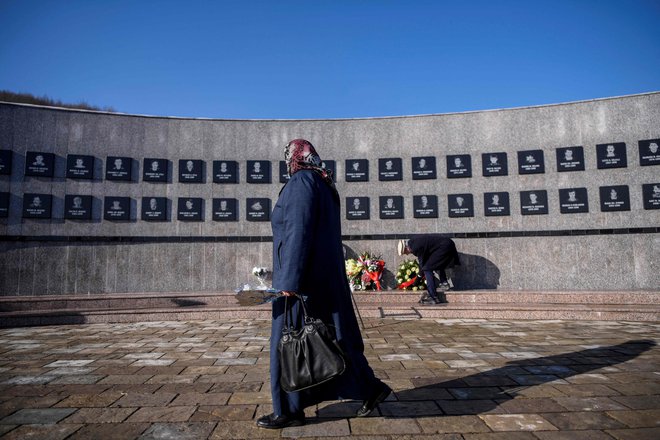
299,229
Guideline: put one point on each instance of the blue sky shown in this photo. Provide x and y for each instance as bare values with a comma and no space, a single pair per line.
327,59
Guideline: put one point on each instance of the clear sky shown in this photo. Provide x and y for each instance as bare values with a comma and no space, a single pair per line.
327,59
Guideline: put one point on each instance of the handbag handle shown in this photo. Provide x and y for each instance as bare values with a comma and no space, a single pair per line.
288,314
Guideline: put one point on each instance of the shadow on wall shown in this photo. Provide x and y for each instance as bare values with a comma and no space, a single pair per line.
475,272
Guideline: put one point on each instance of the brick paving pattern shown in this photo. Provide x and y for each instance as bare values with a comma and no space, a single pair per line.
453,379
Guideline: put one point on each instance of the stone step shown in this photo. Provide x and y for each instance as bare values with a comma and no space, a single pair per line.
182,307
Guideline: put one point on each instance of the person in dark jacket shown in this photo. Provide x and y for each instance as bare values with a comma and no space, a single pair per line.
435,253
308,260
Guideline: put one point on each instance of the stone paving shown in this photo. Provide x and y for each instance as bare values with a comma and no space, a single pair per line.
453,379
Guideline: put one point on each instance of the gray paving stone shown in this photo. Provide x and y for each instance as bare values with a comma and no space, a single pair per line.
38,416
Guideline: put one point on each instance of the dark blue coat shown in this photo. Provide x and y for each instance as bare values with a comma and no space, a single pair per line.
308,258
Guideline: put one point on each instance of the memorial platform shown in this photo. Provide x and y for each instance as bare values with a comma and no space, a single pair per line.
453,379
479,304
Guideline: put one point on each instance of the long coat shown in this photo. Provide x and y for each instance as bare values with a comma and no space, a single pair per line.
434,251
308,259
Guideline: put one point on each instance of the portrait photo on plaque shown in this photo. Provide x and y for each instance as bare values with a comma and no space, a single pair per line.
649,152
39,164
612,155
460,205
614,198
389,169
357,208
37,205
284,172
117,208
459,165
423,168
425,206
496,203
5,162
4,204
155,170
494,164
534,202
190,209
77,207
155,209
570,159
331,166
257,209
225,171
651,194
357,170
391,207
573,200
258,171
225,210
118,168
191,171
79,166
531,162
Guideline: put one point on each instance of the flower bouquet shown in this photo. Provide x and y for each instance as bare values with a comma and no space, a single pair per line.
260,273
409,276
365,272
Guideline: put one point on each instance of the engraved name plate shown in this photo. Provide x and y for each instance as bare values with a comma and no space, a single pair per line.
79,166
190,209
391,207
39,164
191,171
570,159
614,198
573,200
155,209
258,171
225,171
4,204
612,155
496,204
77,207
534,202
225,210
5,162
117,208
118,168
494,164
155,170
423,168
357,208
357,170
459,165
651,194
389,169
258,209
460,205
649,152
531,162
37,205
425,206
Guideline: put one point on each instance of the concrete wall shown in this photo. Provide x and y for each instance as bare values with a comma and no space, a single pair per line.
551,252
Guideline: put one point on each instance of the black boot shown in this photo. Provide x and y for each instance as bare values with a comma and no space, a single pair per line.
271,421
379,394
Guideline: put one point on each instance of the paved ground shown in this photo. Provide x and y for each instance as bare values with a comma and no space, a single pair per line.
453,379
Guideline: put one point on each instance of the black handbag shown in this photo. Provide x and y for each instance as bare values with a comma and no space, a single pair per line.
309,356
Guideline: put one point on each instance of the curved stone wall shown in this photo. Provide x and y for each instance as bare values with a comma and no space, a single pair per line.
543,244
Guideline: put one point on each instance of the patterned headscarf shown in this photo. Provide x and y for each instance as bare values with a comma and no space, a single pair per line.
300,154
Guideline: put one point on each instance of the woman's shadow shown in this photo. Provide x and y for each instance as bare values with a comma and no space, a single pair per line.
484,392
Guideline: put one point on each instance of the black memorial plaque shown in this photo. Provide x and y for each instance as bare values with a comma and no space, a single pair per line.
531,162
5,162
155,170
77,207
459,165
225,171
225,210
612,155
614,198
494,164
357,208
155,209
496,204
423,168
258,171
39,164
570,159
390,169
191,171
649,152
534,202
331,166
37,205
257,209
425,206
190,209
651,194
284,172
573,200
4,204
391,207
117,208
357,170
460,205
79,166
118,168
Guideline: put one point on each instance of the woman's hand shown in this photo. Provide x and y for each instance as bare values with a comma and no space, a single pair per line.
288,293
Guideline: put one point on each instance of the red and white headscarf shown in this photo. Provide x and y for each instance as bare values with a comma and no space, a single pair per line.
300,154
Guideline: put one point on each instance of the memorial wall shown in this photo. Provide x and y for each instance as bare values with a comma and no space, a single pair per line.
558,197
